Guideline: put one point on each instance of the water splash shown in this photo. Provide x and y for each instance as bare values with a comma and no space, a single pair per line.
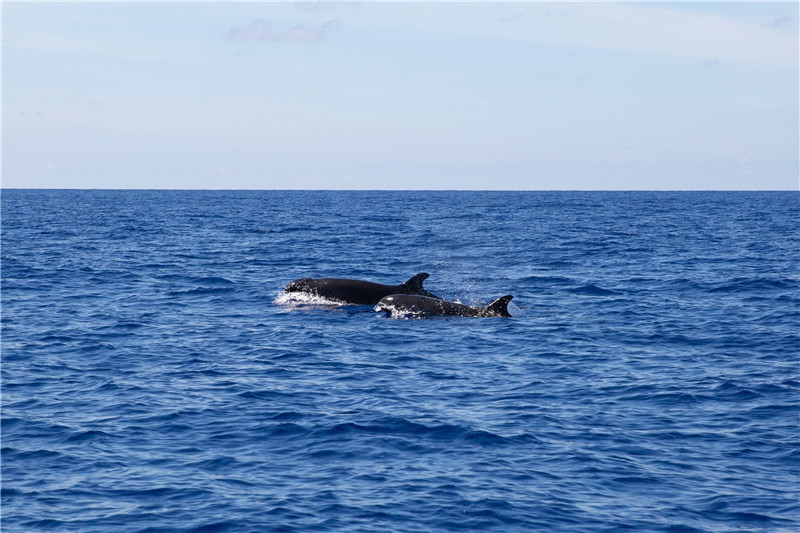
293,300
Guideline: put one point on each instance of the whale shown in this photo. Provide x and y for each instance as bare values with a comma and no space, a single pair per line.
358,292
406,303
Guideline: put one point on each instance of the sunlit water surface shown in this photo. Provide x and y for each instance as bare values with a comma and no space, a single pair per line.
156,379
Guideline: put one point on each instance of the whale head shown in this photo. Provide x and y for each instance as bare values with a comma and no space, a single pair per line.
299,285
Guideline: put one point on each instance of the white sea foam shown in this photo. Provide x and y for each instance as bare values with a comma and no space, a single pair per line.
303,299
396,312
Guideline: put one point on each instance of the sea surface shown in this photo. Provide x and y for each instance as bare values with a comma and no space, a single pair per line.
155,378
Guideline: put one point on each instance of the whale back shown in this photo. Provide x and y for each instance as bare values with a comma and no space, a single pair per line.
413,303
357,292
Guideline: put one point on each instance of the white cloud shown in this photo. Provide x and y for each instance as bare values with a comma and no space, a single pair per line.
262,30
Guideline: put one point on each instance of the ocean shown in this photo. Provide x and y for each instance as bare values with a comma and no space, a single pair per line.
155,377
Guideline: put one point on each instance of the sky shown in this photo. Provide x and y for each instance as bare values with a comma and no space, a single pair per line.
501,96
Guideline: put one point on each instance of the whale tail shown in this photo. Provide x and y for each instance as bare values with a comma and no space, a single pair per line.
499,307
414,285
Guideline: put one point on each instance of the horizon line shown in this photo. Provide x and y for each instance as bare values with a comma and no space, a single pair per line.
381,190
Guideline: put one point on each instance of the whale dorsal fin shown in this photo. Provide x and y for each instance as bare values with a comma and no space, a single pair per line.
414,285
499,307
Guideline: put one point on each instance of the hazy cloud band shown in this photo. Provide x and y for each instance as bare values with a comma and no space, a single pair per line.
263,30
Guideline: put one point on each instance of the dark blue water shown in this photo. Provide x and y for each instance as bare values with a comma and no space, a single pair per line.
153,379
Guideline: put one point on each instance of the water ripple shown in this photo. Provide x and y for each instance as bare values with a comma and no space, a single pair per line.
153,381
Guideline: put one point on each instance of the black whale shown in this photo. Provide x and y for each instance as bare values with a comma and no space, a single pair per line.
422,305
358,292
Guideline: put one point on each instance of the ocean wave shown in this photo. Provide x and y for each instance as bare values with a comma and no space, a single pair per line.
165,382
592,290
401,427
746,284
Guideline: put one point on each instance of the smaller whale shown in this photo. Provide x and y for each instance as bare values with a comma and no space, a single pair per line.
423,305
354,291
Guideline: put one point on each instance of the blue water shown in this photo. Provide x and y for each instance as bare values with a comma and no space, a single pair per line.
155,380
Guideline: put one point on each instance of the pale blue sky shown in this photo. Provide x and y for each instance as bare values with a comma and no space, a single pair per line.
401,95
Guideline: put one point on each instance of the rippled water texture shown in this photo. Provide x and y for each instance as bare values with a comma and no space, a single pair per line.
155,380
